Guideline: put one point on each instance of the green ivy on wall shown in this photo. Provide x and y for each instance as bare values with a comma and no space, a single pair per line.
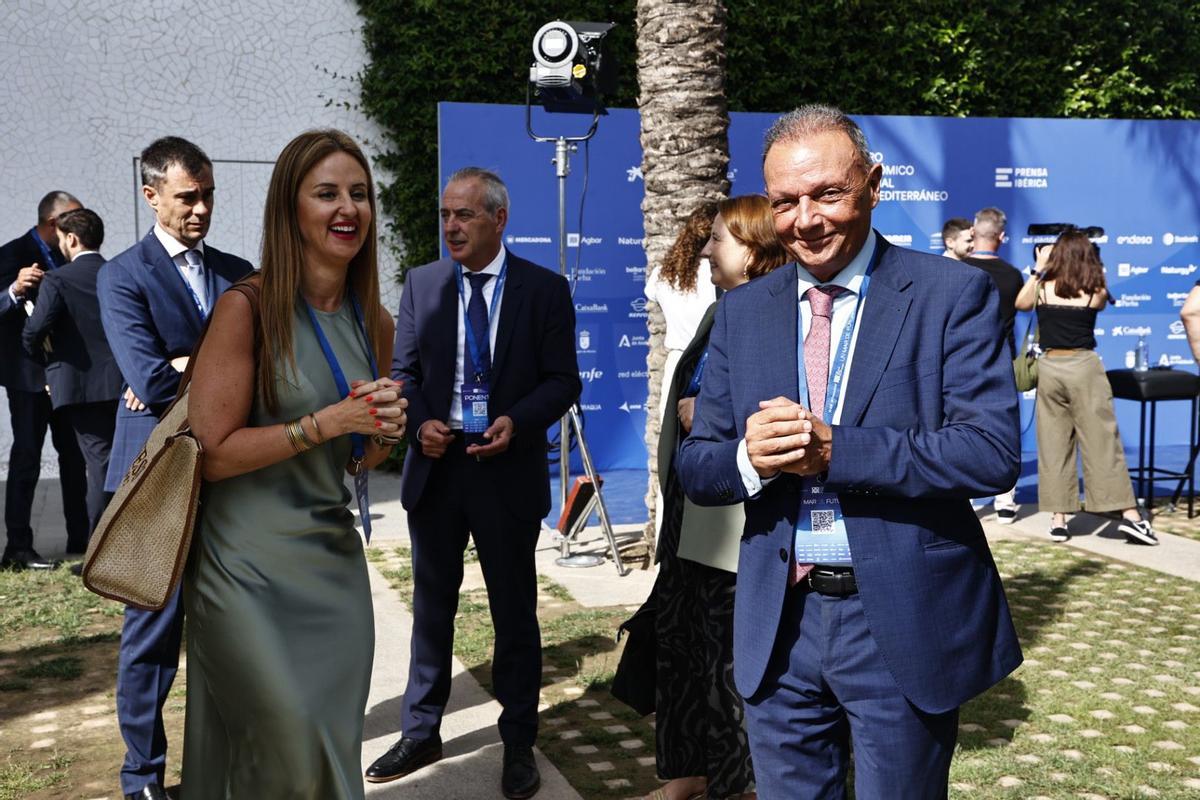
1097,58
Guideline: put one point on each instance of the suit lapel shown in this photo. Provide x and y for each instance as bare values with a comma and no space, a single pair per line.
511,299
884,312
166,274
782,310
446,327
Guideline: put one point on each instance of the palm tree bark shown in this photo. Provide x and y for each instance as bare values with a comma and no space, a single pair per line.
685,152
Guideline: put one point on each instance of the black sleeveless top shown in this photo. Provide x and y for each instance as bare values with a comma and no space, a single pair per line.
1066,327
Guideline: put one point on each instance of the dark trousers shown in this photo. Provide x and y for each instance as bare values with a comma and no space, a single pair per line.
827,686
94,425
461,497
146,667
31,415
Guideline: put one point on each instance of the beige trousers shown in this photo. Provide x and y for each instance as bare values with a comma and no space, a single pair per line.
1075,409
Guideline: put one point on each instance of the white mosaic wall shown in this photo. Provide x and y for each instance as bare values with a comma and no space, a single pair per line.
86,85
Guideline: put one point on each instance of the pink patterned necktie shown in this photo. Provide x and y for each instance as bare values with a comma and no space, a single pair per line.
816,370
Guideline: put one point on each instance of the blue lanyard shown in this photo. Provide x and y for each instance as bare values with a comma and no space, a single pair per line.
474,344
693,387
195,297
983,253
357,440
841,361
45,248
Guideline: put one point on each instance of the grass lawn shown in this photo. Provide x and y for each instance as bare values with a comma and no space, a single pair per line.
58,666
1107,704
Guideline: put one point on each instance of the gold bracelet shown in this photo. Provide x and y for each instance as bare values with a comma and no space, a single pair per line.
297,437
316,428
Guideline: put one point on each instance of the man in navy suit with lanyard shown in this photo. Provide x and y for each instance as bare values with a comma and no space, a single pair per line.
855,403
485,346
154,299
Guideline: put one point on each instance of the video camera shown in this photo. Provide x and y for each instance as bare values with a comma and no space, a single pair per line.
1049,232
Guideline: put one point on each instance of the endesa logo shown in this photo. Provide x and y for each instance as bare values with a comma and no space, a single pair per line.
1136,239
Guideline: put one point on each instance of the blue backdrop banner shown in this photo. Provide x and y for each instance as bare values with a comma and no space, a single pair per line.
1133,178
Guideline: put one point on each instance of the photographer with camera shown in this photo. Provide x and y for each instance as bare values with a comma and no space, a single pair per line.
1074,399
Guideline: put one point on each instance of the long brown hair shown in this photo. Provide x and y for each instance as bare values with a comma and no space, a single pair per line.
749,220
682,261
283,255
1074,266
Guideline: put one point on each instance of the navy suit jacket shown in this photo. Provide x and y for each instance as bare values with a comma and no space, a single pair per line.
80,367
19,371
535,375
150,318
929,420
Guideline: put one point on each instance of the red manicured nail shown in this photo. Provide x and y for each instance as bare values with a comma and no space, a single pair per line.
374,411
350,395
378,424
369,398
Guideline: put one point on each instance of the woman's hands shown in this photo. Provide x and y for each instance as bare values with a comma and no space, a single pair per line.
373,407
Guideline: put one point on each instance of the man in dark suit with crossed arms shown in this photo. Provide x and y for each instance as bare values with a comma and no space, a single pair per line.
856,402
154,299
66,334
485,346
23,263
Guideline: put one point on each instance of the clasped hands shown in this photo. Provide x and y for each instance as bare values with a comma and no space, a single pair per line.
373,407
784,436
435,436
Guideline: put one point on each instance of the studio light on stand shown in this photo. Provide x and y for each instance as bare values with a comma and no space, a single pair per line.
571,73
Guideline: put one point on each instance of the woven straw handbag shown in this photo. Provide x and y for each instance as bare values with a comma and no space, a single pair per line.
141,543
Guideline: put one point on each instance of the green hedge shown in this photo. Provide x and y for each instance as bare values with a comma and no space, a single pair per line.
1111,58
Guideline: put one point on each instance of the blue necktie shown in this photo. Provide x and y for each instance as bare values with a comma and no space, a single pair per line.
477,314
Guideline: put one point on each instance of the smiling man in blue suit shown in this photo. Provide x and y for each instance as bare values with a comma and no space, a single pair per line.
154,299
855,403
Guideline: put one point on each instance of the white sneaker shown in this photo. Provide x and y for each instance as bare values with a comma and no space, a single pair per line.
1059,533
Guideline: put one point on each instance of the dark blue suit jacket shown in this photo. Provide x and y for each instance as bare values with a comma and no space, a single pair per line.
535,375
150,317
19,371
80,367
929,420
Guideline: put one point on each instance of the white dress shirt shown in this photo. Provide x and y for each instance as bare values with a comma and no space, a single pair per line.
850,278
197,280
493,304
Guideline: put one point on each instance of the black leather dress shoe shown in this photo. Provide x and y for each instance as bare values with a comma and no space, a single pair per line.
77,569
405,756
76,548
521,778
151,792
26,558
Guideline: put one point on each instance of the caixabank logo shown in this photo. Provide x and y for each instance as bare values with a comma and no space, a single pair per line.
1131,330
1022,178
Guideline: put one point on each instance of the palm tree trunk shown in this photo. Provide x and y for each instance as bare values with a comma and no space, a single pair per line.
685,152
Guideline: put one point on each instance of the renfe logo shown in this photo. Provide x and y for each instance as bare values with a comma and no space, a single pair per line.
591,375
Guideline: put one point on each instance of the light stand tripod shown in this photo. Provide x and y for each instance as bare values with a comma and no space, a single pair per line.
563,146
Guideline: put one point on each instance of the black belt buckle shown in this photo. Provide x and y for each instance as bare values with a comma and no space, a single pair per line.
832,582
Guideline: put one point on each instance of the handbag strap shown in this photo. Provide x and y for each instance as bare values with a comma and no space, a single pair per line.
248,288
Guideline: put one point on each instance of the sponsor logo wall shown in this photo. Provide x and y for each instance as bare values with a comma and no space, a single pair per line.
1133,178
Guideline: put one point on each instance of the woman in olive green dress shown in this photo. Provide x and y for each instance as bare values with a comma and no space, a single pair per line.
280,627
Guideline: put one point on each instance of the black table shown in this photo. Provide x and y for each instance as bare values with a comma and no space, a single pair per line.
1150,387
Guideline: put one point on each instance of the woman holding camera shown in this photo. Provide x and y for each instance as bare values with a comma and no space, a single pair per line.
1074,399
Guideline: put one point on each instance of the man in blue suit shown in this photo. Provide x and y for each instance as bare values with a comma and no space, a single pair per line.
65,333
485,346
23,263
868,605
154,299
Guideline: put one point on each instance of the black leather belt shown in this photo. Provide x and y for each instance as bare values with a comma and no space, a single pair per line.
832,581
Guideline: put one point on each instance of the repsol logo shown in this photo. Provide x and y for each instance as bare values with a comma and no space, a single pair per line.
591,375
1135,239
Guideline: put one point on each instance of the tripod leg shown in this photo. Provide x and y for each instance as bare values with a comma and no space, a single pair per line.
586,457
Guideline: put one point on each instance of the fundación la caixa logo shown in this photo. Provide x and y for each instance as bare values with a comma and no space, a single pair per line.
1022,178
